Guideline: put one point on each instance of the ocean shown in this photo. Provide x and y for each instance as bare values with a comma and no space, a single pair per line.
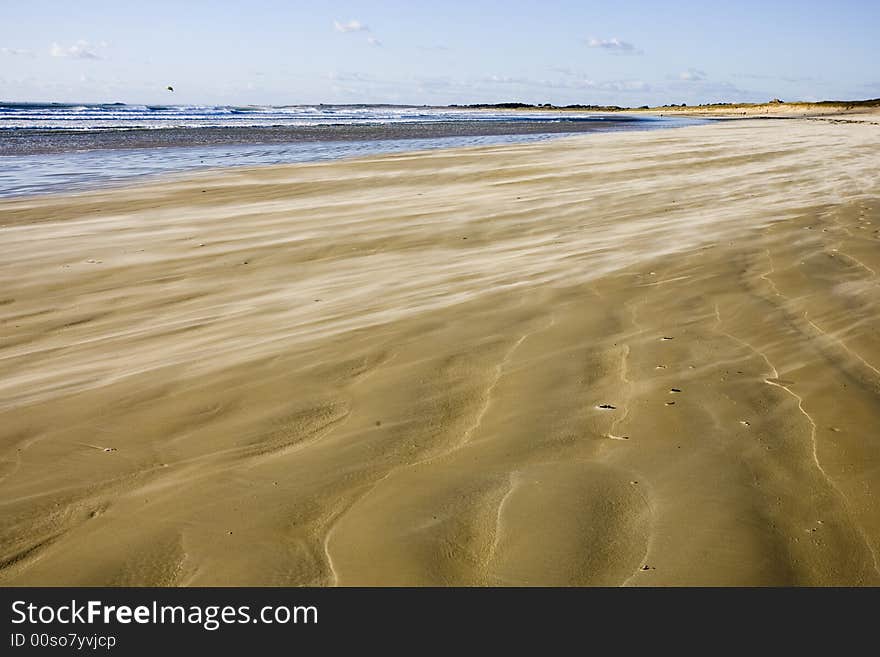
53,147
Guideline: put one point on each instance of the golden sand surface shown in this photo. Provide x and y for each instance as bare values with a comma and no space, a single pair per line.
622,359
828,111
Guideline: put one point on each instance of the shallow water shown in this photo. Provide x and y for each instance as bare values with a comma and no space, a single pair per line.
47,148
54,172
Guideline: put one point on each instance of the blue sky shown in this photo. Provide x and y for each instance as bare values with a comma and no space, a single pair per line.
276,52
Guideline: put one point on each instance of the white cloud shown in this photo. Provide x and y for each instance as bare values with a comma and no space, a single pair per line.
775,78
576,88
624,85
692,75
355,25
503,79
350,26
582,83
79,50
615,46
345,76
16,52
434,82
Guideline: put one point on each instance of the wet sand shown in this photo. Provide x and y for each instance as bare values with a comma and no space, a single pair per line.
620,359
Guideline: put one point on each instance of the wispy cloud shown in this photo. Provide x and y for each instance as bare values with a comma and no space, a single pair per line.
578,82
428,82
624,85
614,46
346,76
572,82
573,88
351,26
692,75
503,79
79,50
16,52
758,76
704,90
355,26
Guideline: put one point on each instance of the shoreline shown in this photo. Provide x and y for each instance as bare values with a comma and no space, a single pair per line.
72,161
649,361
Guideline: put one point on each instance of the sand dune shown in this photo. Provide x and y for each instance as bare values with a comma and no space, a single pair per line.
621,359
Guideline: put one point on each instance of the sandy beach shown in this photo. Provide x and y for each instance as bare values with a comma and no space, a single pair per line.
641,359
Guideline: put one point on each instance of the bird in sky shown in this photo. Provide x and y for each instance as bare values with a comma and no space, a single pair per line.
170,88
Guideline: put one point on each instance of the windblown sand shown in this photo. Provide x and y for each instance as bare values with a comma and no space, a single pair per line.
621,359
